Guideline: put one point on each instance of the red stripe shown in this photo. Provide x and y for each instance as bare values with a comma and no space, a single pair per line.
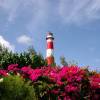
50,45
50,60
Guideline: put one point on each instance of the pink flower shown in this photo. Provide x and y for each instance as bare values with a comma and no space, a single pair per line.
36,74
30,71
59,83
26,69
71,88
34,77
55,91
13,67
78,79
95,81
67,98
3,73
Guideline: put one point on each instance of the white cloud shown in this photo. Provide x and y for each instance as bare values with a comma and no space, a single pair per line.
6,43
24,39
79,11
14,7
16,10
40,10
69,11
10,7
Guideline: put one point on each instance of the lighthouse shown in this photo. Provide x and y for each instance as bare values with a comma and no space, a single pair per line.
50,48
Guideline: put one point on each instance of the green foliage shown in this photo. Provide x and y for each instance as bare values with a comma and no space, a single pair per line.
73,63
38,61
5,57
63,61
15,88
42,87
27,58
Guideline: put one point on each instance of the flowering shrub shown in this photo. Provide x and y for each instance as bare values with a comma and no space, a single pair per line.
95,81
67,83
3,73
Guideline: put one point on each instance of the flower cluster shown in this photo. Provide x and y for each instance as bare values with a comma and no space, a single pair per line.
95,81
66,83
3,73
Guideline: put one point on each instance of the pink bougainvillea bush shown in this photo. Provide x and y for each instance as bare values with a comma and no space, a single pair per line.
54,83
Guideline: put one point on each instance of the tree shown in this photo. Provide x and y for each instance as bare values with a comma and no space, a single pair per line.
26,58
63,61
38,61
67,63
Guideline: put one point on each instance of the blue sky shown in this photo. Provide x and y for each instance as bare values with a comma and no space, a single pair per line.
75,24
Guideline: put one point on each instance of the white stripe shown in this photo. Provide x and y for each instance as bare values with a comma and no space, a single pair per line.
49,36
49,52
49,40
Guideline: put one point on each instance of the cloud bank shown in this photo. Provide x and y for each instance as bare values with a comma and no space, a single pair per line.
6,43
24,39
76,11
68,11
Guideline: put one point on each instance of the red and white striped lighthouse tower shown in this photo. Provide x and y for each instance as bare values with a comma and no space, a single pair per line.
50,48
